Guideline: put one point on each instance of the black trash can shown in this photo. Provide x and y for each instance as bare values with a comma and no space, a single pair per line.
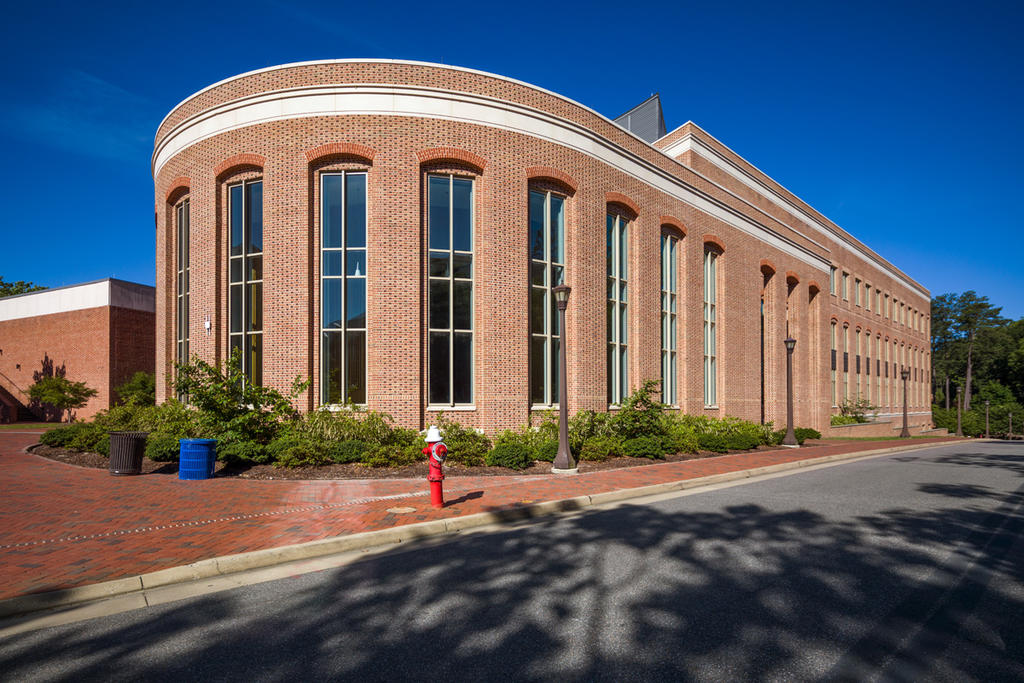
126,451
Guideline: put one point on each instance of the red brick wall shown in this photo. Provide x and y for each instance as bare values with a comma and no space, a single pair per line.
100,346
391,149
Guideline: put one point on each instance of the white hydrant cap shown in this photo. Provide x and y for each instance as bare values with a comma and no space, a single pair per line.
433,435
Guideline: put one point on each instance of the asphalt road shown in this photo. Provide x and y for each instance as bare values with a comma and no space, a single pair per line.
907,567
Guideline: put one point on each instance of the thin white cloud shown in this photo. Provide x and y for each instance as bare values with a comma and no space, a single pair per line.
83,113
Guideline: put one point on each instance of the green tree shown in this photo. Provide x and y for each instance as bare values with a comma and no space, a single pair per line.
61,393
139,390
966,332
17,287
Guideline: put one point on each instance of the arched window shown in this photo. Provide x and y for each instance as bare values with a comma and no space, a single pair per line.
245,261
343,287
617,257
710,327
181,212
547,270
450,242
835,393
669,291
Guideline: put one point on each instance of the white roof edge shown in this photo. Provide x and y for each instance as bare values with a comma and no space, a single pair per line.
862,248
95,294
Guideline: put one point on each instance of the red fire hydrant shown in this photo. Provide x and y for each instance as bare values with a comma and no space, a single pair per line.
436,453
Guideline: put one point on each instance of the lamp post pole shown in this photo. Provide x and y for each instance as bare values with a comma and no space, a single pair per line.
1011,425
790,438
564,463
986,418
959,427
905,374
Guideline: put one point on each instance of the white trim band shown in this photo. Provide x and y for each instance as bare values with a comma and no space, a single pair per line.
423,102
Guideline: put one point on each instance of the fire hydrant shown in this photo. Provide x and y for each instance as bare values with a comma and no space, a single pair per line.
436,453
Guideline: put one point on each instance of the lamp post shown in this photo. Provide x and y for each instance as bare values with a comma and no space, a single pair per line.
564,463
959,428
790,438
905,374
1011,425
986,419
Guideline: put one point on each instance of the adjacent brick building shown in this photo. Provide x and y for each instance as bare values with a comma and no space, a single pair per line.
99,333
393,231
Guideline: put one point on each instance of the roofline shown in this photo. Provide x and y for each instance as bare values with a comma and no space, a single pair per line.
630,111
79,284
405,62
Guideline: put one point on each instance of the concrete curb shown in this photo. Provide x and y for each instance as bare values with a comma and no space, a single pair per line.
256,559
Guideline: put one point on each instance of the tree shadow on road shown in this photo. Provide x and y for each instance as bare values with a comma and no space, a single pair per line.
738,593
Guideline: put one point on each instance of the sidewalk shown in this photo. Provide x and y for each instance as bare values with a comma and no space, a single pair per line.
63,526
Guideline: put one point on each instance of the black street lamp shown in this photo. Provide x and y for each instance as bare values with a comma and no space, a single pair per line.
564,463
790,438
986,419
905,374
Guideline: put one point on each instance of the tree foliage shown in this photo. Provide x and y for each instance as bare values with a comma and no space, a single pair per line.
61,393
139,389
970,341
17,287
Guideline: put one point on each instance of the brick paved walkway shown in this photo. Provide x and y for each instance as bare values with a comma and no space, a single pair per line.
63,526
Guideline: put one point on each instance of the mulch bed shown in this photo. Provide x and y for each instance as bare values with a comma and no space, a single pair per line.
358,471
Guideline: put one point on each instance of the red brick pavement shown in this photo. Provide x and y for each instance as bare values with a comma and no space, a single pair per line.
63,526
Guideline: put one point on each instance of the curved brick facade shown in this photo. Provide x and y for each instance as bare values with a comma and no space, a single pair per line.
399,122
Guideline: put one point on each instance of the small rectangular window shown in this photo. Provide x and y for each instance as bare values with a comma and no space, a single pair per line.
846,286
832,280
856,291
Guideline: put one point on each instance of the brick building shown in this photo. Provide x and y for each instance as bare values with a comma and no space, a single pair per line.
99,333
393,230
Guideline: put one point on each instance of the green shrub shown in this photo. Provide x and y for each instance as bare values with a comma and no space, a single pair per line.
739,441
162,447
59,437
857,408
713,441
465,446
804,433
546,451
680,438
87,437
585,425
641,414
394,456
243,452
139,389
601,448
347,451
838,420
511,455
643,447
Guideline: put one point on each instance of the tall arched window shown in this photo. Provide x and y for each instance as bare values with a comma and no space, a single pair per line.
245,301
450,285
343,288
710,327
668,318
617,257
835,392
547,270
182,220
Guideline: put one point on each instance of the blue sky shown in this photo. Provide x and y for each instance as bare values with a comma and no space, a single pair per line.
899,121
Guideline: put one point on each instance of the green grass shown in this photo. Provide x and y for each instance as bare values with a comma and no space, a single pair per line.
18,426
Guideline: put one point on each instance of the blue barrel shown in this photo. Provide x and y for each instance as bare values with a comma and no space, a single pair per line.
197,458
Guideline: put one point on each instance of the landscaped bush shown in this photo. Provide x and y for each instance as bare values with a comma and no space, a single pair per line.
585,425
546,451
601,448
680,438
514,456
804,433
713,441
839,420
641,414
163,447
78,436
347,451
643,447
242,452
857,408
396,455
465,446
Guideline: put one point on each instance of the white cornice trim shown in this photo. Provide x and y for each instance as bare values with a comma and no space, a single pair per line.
424,102
689,143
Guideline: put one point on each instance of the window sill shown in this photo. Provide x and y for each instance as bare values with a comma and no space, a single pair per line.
458,408
715,407
340,407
